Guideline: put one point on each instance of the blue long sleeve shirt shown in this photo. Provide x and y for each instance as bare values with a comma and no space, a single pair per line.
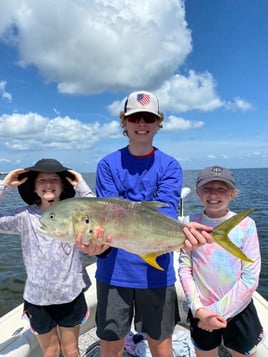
155,177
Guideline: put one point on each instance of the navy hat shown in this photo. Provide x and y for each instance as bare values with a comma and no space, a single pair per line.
26,190
215,173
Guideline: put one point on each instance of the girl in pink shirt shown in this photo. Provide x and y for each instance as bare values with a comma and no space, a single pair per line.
217,285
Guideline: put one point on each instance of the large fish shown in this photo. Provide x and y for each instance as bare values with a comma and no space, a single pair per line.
137,227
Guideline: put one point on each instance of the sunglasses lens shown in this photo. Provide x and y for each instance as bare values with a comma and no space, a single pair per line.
146,117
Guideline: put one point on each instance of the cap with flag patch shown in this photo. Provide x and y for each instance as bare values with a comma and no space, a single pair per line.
141,102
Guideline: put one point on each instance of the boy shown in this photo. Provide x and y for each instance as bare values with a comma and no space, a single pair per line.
125,283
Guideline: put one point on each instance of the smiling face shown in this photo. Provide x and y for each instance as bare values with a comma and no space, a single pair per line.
48,186
141,128
216,196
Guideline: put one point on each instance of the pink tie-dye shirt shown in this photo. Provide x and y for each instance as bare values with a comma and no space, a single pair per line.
213,278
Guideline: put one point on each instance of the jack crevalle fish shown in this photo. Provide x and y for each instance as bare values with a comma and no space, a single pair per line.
137,227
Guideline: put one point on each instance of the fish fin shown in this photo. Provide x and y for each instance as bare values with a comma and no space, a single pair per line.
154,204
220,234
151,260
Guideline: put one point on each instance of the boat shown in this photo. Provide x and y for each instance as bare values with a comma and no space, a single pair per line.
17,340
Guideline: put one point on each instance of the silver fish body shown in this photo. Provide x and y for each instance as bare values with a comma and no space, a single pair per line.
137,227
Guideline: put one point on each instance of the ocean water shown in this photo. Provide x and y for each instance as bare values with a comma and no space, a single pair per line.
252,185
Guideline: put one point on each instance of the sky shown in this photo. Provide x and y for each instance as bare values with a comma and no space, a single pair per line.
67,66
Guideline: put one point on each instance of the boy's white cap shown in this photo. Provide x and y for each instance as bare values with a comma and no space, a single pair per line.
141,101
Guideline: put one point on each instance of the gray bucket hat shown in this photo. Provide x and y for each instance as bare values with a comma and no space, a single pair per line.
26,190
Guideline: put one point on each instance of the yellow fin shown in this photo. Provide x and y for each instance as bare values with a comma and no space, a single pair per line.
220,234
151,260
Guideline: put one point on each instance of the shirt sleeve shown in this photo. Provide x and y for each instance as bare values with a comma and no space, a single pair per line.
4,190
169,189
83,189
105,186
10,219
187,281
240,294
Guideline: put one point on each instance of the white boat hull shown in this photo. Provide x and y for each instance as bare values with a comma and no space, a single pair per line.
17,340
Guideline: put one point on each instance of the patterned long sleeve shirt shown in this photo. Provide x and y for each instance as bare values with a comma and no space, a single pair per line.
55,272
213,278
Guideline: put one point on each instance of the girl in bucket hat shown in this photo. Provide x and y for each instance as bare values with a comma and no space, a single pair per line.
56,278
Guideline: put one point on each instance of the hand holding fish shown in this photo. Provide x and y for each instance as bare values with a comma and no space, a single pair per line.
93,247
196,235
12,178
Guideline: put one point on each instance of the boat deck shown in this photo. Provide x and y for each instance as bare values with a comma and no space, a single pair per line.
90,347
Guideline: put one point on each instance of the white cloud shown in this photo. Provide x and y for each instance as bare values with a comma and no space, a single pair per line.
197,91
213,157
115,107
3,93
174,123
98,45
28,131
238,104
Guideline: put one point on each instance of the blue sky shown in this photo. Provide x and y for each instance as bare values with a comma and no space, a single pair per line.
66,67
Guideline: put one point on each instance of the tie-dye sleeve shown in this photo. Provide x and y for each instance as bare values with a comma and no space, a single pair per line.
187,281
240,293
214,279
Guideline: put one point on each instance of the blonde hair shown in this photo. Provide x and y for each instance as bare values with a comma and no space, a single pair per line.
123,119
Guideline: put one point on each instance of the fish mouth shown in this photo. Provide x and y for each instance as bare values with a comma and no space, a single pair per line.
42,229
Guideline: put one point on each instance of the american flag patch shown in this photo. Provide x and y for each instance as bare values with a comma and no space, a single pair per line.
143,98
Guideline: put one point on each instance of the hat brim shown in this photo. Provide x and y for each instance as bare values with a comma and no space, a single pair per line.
26,190
133,111
202,182
48,165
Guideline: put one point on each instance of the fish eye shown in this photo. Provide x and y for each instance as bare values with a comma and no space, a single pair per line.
52,215
86,220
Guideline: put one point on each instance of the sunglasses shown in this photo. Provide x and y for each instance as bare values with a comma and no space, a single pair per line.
146,117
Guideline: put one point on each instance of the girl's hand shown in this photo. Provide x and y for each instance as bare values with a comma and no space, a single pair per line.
210,320
196,235
12,178
77,178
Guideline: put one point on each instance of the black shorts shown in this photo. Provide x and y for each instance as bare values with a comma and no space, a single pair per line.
44,318
156,311
242,334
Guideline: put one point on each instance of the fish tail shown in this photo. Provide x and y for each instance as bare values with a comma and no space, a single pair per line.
151,260
220,234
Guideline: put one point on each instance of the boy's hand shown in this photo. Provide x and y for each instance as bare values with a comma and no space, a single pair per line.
93,247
